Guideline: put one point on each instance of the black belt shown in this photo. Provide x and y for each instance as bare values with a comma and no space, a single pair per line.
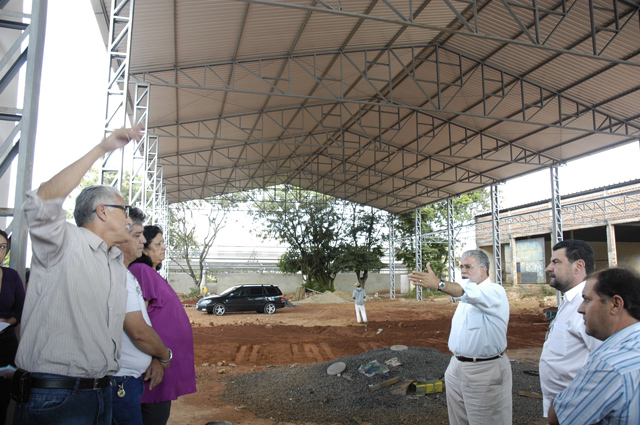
477,359
70,383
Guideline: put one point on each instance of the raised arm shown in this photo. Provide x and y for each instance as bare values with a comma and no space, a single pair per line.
61,185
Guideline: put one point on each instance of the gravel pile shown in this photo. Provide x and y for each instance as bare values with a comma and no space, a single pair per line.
306,393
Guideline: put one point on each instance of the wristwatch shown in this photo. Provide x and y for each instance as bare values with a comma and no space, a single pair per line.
441,285
169,359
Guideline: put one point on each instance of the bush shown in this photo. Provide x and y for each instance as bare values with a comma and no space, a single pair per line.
194,293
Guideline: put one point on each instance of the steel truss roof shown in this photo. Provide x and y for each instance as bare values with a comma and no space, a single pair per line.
388,103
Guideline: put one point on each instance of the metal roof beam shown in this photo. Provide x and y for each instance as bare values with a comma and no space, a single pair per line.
497,85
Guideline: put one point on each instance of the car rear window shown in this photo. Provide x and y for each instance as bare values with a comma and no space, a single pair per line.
272,290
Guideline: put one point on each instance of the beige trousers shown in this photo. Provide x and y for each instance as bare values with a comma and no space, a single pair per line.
479,393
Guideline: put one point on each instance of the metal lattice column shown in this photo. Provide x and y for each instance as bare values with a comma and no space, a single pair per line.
451,240
556,206
418,248
19,145
495,215
392,259
119,45
139,180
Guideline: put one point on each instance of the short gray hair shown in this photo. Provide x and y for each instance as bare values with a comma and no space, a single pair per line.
481,258
89,199
137,216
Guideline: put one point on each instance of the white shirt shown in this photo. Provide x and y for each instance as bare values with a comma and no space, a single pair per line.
566,349
133,361
479,325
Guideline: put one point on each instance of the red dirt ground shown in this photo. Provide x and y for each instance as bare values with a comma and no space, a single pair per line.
314,333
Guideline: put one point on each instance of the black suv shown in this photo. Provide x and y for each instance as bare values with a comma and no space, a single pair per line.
260,298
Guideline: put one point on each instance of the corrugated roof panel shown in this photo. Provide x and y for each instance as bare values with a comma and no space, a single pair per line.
153,32
207,31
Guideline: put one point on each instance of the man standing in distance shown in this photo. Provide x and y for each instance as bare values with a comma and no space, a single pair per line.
606,391
75,306
479,375
567,346
143,352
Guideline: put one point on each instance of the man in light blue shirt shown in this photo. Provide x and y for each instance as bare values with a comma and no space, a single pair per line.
479,375
607,389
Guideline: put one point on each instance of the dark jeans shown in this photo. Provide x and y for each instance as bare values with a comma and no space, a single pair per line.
64,407
156,413
126,410
8,348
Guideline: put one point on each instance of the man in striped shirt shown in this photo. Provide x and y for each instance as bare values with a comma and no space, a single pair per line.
607,389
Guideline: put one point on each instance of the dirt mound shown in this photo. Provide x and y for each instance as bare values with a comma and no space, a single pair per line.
325,298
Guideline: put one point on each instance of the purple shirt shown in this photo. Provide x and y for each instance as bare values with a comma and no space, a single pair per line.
11,299
172,324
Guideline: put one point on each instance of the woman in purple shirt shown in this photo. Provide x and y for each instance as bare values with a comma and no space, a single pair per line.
11,302
171,322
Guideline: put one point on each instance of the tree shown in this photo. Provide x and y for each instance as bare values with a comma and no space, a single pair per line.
324,235
363,249
434,217
309,223
189,220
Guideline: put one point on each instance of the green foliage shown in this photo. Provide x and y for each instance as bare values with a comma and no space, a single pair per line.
324,235
546,290
194,293
434,217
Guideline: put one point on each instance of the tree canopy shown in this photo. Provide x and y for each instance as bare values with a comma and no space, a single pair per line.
324,235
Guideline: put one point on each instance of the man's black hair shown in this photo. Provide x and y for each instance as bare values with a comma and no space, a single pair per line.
578,250
622,282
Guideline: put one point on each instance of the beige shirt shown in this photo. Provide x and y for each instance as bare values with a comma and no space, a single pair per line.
76,299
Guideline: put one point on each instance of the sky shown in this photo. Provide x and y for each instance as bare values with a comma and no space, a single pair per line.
72,110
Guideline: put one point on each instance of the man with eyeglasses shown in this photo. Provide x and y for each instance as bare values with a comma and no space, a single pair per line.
567,345
75,307
478,377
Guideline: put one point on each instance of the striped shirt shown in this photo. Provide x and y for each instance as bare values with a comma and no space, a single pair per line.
75,305
607,389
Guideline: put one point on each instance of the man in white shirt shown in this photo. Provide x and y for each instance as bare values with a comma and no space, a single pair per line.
479,375
144,355
567,346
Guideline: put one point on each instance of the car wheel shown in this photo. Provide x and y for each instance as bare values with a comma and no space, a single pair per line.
269,308
219,309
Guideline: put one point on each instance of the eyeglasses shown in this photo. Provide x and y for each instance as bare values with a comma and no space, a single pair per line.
124,208
466,266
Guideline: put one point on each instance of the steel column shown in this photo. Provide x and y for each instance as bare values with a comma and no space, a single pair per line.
495,215
556,211
392,259
451,241
26,119
418,247
119,45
